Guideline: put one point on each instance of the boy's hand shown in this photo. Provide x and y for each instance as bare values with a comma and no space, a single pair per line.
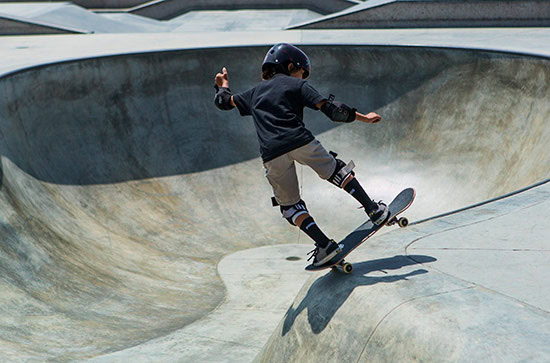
370,118
373,117
222,79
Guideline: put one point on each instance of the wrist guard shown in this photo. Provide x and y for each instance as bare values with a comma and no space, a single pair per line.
223,98
337,111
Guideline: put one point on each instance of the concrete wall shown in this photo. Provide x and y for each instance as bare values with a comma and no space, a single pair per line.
435,14
11,26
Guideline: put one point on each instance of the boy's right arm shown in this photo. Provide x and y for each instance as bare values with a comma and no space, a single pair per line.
224,98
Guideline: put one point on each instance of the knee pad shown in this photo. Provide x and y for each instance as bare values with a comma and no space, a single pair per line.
291,212
341,172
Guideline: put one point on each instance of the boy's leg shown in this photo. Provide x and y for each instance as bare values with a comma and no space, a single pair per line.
281,174
325,248
298,215
336,171
352,186
377,212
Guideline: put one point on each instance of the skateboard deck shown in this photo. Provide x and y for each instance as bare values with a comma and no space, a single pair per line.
397,206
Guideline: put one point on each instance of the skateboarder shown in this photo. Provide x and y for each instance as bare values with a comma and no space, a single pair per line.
276,105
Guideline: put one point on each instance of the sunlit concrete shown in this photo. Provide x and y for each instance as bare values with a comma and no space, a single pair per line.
117,204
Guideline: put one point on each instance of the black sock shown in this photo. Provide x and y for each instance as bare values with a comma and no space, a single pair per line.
356,190
310,228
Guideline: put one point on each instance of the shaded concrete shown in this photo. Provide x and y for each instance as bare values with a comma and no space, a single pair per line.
14,25
109,4
60,16
167,9
436,14
112,236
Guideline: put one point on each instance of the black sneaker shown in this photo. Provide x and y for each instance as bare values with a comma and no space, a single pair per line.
323,255
380,215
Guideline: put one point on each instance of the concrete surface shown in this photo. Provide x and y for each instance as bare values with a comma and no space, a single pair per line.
240,20
436,14
54,18
113,235
243,322
13,25
464,288
72,17
168,9
109,4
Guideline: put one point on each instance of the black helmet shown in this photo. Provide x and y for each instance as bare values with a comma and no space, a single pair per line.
282,52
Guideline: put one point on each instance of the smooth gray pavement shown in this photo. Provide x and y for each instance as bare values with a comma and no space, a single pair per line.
123,187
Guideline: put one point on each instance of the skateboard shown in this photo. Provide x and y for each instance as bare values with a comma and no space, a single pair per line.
353,240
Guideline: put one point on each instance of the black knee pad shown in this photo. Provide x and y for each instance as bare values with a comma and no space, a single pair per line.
291,212
341,172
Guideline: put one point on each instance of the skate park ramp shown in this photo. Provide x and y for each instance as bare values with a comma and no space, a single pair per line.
72,18
435,14
51,18
123,186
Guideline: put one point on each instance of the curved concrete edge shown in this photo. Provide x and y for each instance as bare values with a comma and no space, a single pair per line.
466,287
35,51
481,203
260,283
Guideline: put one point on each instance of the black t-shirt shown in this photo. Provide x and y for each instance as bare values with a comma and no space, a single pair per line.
277,106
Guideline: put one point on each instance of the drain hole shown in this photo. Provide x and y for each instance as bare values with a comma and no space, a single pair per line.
293,258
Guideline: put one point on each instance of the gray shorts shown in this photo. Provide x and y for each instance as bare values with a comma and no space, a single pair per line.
281,171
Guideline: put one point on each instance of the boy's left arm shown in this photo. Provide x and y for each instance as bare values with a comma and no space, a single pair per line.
370,118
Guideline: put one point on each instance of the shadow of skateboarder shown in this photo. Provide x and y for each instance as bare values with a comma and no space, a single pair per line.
329,292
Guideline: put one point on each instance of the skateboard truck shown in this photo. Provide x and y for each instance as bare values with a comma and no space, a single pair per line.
401,222
347,267
343,266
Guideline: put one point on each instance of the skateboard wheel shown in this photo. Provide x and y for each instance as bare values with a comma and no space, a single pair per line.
403,222
347,268
392,221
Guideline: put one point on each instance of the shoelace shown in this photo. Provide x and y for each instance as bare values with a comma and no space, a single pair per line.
377,203
313,253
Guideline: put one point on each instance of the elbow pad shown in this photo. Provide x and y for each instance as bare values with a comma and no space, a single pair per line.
223,98
338,112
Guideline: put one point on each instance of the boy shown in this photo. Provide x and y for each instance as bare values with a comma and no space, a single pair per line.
276,105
